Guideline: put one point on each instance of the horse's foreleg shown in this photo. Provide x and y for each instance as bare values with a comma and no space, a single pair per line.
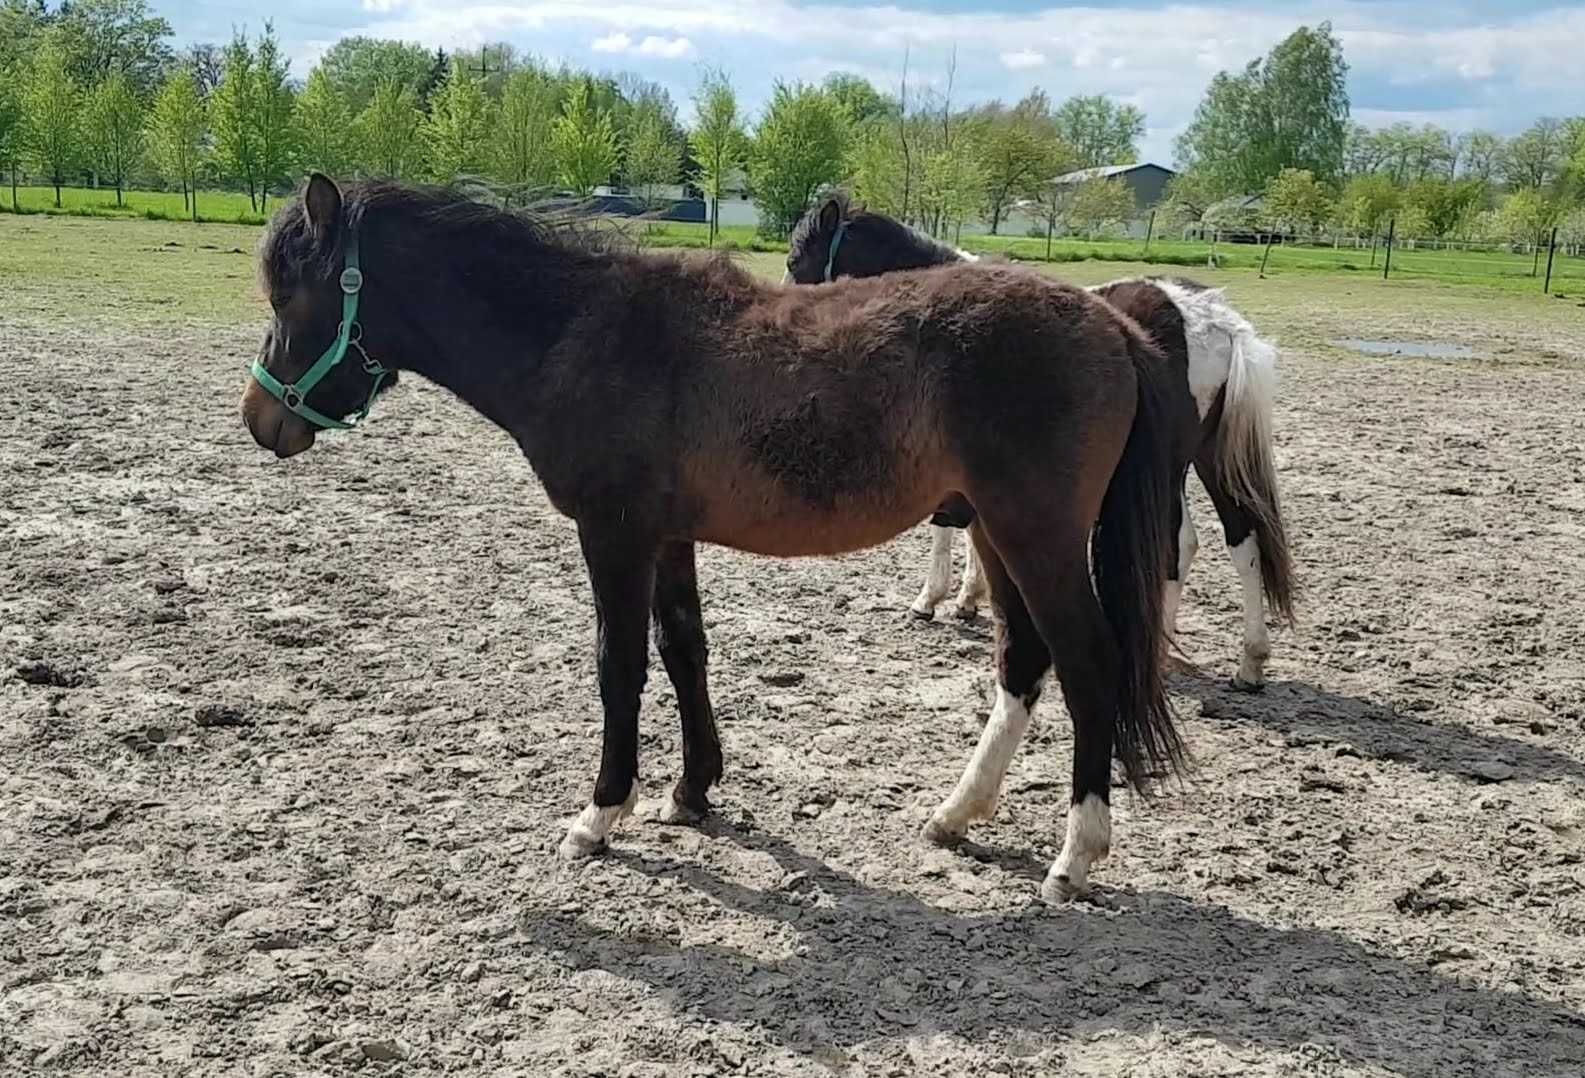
938,578
1244,549
1186,541
967,604
679,636
622,573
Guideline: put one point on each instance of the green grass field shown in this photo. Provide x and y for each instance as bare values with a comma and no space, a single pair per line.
1495,269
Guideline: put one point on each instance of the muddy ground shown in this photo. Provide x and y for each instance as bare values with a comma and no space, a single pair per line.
288,747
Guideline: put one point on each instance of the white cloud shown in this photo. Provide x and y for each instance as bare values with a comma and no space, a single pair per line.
382,5
669,48
617,42
1023,58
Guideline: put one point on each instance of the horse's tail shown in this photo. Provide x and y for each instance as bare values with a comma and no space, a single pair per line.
1129,550
1246,465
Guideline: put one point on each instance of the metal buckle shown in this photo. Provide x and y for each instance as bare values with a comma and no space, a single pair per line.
291,397
351,280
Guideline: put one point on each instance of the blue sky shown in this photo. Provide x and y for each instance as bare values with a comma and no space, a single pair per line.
1496,64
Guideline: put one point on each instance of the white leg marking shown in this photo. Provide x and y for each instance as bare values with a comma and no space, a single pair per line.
938,578
980,788
974,586
1188,546
587,835
1089,840
1257,645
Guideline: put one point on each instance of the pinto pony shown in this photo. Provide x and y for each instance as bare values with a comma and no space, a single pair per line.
1223,377
665,401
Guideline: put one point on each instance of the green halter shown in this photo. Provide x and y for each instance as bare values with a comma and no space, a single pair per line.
836,241
348,335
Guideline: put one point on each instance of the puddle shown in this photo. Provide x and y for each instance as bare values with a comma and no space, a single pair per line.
1418,349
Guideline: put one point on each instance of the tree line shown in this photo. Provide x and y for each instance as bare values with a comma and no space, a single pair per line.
92,90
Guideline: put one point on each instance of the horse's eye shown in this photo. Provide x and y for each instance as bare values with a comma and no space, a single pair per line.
279,302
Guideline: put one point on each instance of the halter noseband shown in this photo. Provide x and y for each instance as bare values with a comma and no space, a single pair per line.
836,241
349,334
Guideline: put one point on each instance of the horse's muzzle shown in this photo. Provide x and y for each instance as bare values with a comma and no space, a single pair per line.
272,425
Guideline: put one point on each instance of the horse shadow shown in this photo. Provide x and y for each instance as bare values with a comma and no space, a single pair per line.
874,964
1305,712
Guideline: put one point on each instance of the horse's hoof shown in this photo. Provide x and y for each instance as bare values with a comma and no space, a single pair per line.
672,811
938,832
1065,885
580,847
1241,685
923,613
965,613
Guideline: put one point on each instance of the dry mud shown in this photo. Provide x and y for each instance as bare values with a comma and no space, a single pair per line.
288,748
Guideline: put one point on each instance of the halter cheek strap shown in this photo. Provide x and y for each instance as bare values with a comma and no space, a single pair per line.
836,241
349,334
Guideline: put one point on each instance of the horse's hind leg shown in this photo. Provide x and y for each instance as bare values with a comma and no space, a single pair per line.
622,572
679,636
1244,548
1022,660
1046,556
938,578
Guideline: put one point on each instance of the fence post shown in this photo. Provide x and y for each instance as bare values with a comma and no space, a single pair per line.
1535,263
1551,249
1265,257
1392,230
1150,230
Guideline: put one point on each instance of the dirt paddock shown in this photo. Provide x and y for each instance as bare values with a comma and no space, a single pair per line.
287,750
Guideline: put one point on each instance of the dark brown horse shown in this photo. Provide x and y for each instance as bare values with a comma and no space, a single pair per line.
1223,375
666,401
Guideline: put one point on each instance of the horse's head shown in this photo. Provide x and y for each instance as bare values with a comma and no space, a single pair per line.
814,249
314,368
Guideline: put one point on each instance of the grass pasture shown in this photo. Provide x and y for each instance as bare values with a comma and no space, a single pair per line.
289,745
1510,271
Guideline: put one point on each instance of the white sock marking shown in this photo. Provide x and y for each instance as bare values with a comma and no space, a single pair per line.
588,832
1257,645
980,787
974,587
1089,840
938,578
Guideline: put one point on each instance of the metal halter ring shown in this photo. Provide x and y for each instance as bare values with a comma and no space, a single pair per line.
351,280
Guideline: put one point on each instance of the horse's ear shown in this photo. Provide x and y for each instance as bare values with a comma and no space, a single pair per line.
323,200
830,215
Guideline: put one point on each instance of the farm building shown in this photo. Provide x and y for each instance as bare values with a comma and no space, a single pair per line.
1147,181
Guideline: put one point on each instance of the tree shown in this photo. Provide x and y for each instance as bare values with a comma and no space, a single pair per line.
1189,195
11,128
113,130
797,150
1015,150
52,130
859,100
954,186
358,66
178,132
102,38
1100,203
1099,130
1367,202
877,169
1525,215
583,141
207,63
653,158
387,132
273,106
1481,156
1443,204
1535,158
456,131
717,141
23,24
1296,201
234,110
1289,110
324,127
522,147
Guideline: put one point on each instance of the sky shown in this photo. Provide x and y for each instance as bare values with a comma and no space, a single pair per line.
1494,64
